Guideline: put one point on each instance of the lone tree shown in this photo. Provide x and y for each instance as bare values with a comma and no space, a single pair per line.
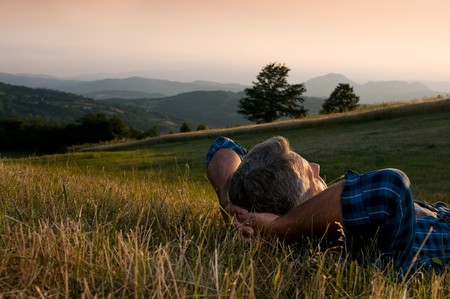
341,99
271,97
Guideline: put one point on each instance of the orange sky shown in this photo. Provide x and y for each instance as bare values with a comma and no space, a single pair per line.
227,41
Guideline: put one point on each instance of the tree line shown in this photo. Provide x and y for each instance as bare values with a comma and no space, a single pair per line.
44,138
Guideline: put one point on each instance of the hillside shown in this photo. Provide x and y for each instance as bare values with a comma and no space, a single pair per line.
410,110
214,108
61,107
217,109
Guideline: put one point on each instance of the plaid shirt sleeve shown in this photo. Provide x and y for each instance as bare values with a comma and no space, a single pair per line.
378,212
224,142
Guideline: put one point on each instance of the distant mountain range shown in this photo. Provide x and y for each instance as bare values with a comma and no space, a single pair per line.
138,87
123,88
376,92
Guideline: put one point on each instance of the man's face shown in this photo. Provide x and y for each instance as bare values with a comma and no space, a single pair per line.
310,172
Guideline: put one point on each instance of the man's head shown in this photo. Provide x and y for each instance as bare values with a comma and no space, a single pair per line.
272,178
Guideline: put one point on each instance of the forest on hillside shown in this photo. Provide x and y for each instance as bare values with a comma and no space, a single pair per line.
45,138
29,104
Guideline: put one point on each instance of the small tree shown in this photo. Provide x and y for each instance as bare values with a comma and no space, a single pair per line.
185,127
152,132
272,97
202,127
118,127
341,99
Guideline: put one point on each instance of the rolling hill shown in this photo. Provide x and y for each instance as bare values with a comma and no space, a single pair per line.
429,115
216,109
61,107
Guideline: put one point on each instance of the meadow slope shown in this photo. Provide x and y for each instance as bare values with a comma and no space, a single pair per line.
141,220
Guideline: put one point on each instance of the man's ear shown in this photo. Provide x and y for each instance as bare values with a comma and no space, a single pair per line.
315,168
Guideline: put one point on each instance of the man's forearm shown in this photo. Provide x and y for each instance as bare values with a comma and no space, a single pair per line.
313,217
220,171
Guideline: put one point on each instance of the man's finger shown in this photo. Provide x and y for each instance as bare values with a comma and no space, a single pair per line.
244,229
243,218
238,210
247,231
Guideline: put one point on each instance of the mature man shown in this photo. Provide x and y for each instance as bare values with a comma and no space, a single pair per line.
275,190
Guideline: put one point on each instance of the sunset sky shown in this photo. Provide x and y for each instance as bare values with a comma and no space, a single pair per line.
227,41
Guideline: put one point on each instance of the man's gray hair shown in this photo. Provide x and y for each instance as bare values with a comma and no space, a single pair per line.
268,180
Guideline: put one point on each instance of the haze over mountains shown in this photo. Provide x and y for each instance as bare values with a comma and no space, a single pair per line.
132,87
138,87
376,91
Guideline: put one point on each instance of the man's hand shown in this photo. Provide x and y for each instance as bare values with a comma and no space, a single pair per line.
316,215
247,231
258,221
249,222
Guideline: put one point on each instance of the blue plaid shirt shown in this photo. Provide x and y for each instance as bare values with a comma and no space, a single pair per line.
379,206
435,252
224,142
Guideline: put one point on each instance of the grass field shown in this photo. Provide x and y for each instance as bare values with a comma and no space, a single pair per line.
142,221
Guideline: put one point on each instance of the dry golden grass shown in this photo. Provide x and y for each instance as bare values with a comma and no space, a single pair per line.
67,232
139,224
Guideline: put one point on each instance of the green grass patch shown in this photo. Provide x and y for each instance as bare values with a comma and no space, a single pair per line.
143,221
